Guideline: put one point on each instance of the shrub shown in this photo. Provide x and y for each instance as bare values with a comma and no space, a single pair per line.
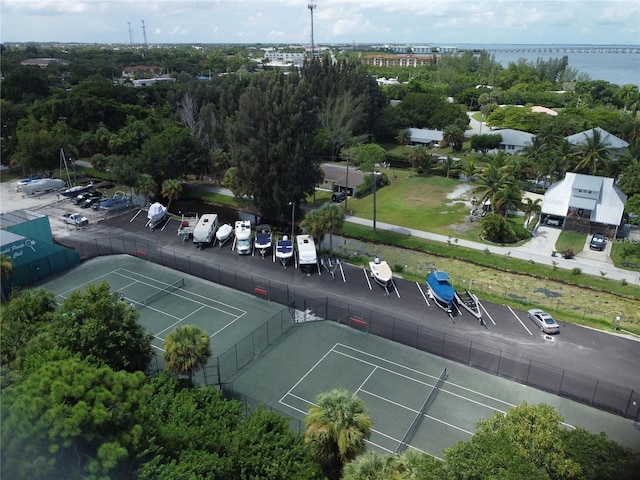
576,271
568,253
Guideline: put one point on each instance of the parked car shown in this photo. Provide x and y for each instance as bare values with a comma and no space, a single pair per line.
81,197
544,321
338,197
598,242
91,200
75,219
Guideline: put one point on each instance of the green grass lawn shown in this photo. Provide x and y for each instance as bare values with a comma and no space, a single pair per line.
572,240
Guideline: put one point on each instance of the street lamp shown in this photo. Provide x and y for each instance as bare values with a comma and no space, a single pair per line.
293,217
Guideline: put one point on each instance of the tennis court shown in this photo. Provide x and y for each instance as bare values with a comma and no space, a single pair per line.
167,299
416,400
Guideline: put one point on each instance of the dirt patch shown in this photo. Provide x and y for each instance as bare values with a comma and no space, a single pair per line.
461,191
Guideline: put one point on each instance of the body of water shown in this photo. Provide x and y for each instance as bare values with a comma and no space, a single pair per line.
619,68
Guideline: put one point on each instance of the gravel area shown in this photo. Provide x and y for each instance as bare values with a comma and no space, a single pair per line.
51,204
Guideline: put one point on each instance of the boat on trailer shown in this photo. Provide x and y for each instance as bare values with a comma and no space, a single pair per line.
224,233
263,239
284,250
470,303
381,273
187,224
73,191
156,215
441,290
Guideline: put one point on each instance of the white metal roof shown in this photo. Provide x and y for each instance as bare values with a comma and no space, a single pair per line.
424,135
610,140
607,207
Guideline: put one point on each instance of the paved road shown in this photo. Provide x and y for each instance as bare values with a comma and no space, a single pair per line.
592,353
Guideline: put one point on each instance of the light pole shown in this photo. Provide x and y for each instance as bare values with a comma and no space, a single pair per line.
311,6
293,218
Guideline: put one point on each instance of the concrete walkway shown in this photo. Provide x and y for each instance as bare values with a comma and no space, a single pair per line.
538,250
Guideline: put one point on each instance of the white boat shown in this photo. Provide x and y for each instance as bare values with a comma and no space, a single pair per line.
263,239
381,273
205,230
224,233
73,191
284,250
44,185
243,237
157,213
307,255
187,225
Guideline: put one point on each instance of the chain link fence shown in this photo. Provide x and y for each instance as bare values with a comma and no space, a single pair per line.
581,388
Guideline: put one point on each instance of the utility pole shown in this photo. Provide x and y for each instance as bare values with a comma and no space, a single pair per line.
144,34
311,6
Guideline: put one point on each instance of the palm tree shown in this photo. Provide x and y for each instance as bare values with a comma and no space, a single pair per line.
469,169
171,189
187,350
333,220
508,197
531,207
420,159
594,153
403,138
490,180
370,466
338,423
454,136
448,166
146,186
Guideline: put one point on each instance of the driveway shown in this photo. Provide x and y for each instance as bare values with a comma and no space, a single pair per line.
543,241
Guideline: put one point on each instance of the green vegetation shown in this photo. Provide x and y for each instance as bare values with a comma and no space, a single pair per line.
572,240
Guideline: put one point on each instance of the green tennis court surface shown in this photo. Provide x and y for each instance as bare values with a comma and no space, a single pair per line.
166,299
395,381
307,359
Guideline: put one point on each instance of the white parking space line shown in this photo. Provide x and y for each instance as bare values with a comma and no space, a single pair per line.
423,295
366,277
523,325
487,313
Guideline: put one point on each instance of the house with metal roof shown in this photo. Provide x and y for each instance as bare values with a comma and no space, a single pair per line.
611,141
424,137
513,140
585,204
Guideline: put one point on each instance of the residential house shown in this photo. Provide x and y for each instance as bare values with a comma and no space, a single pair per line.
513,140
424,137
585,204
340,178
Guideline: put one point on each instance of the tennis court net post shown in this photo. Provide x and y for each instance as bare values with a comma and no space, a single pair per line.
404,443
165,291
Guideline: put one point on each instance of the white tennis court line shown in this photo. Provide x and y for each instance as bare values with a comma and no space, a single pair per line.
308,402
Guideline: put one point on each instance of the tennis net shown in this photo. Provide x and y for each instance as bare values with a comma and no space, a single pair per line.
404,443
161,293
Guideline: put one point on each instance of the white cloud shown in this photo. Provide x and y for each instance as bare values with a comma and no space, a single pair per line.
335,21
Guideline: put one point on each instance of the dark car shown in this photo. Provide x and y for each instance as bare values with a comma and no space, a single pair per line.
598,242
91,200
338,197
81,197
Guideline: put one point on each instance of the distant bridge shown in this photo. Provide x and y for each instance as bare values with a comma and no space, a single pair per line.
582,49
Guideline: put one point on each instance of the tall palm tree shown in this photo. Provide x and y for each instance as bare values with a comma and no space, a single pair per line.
187,350
508,196
490,180
172,189
403,138
531,207
594,154
537,152
469,169
333,221
337,426
420,159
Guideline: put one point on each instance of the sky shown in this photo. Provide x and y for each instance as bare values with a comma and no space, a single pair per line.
415,22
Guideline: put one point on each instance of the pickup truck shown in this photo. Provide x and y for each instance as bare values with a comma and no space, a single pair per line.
75,219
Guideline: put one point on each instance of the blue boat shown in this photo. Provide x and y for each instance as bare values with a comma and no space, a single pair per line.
441,289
